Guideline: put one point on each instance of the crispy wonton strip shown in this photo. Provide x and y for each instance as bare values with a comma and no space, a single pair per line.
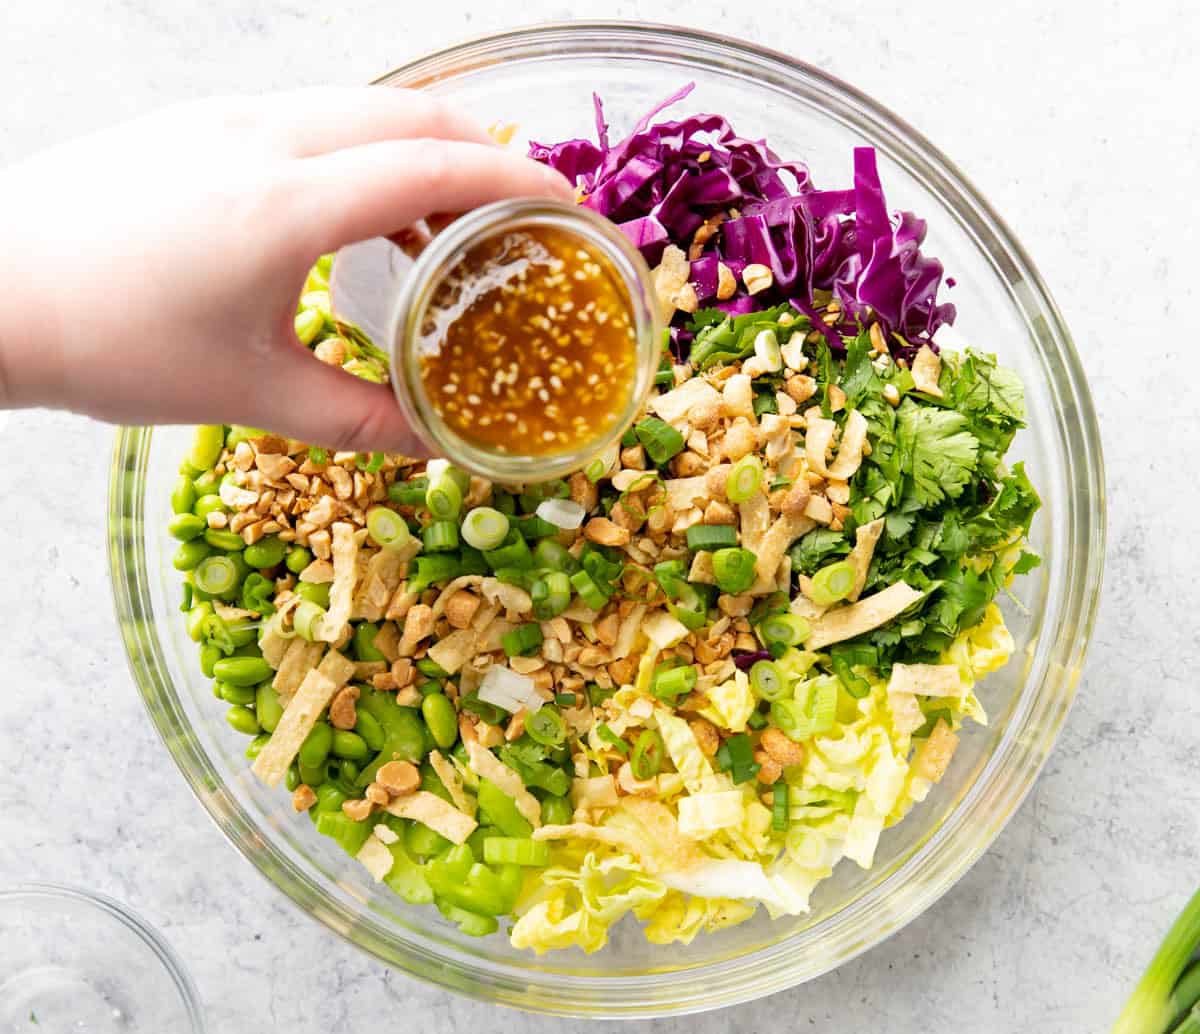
702,569
927,680
675,406
301,657
488,766
627,634
774,544
336,666
865,538
274,646
849,457
463,582
453,783
754,517
299,717
341,593
846,622
375,857
430,810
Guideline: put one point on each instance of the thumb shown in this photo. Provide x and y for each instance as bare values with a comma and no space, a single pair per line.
325,406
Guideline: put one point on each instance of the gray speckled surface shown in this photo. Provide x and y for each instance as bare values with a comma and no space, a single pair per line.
1070,118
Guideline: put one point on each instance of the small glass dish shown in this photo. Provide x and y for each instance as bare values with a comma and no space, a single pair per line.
73,960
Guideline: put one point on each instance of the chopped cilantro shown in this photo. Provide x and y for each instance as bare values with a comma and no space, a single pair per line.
938,452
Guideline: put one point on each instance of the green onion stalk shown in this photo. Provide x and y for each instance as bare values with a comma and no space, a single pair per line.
1167,998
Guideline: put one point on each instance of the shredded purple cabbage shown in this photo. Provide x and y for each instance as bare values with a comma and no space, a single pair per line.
664,180
746,661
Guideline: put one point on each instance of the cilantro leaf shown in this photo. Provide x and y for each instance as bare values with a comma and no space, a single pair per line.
983,387
812,551
1026,562
858,375
937,451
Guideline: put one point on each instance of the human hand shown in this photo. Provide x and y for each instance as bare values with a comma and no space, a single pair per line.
151,271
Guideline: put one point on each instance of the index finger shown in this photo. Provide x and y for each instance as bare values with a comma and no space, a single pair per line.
323,119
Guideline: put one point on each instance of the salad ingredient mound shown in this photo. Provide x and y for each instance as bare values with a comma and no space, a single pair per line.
691,678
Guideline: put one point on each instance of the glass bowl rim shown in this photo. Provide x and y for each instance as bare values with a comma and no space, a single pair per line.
132,921
942,858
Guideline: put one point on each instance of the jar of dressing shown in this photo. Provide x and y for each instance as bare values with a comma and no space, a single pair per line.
524,336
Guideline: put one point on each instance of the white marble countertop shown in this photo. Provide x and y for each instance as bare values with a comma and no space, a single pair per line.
1072,119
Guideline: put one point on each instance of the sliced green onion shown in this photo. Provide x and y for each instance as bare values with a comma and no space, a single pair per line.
768,681
429,570
440,536
308,324
484,528
522,640
565,699
546,726
670,575
646,761
813,717
711,536
780,808
531,526
406,493
516,851
832,583
670,683
745,479
689,608
444,498
387,528
842,663
318,456
591,594
611,738
551,595
306,619
489,713
660,440
733,569
217,575
785,629
513,552
742,766
552,554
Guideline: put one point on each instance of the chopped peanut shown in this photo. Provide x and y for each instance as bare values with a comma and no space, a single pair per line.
709,651
583,490
740,440
633,457
718,512
735,606
757,277
726,282
801,387
606,629
332,351
769,770
304,797
461,608
706,735
781,747
602,531
342,711
376,794
688,464
516,727
624,671
357,810
398,777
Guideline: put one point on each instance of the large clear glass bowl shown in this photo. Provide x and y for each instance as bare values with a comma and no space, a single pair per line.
543,79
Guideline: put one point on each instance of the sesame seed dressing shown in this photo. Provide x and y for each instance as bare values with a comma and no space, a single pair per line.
528,347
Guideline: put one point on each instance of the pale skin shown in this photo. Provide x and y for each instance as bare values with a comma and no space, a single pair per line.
151,270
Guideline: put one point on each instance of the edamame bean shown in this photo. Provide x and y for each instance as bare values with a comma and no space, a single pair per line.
243,695
330,798
348,771
267,706
243,635
230,541
183,495
292,779
315,747
207,484
189,554
370,730
196,617
250,648
298,559
364,642
348,745
242,671
556,811
314,593
209,655
265,553
441,718
314,776
206,504
186,526
207,444
243,720
257,744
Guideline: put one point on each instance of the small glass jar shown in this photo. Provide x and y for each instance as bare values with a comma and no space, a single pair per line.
387,291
